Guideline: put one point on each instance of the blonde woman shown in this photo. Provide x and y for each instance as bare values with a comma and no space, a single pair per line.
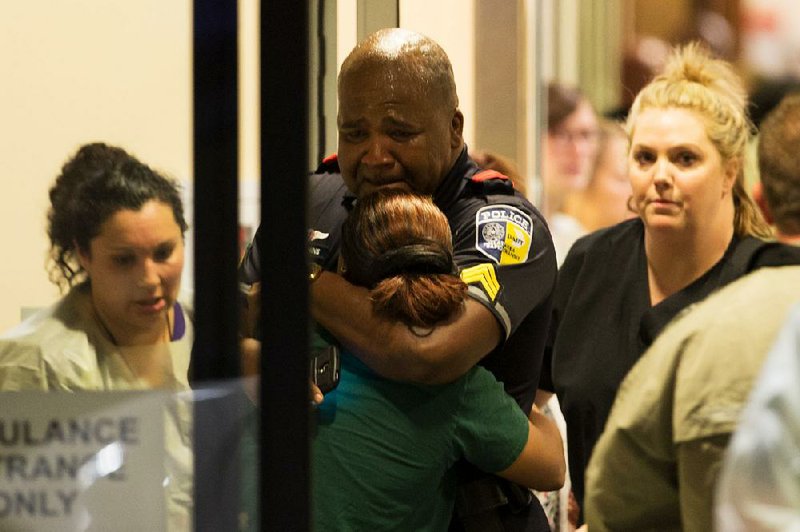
696,229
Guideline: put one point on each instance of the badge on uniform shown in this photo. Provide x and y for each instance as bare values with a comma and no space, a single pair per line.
503,233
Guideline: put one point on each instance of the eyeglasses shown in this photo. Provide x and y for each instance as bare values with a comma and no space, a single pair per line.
578,136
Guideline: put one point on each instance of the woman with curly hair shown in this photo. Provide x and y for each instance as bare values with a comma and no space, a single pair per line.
116,229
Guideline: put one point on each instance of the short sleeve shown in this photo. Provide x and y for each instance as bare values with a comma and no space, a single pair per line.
491,430
506,256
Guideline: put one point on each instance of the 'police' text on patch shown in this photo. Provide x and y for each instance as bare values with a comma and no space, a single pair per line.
503,233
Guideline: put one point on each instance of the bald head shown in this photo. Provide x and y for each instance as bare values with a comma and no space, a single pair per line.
396,54
399,123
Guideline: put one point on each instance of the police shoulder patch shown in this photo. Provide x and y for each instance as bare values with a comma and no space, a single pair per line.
503,233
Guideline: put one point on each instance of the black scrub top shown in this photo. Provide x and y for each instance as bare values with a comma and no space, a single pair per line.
603,322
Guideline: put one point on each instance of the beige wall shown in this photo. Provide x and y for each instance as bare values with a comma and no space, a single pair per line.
490,43
74,72
120,71
451,24
499,81
249,116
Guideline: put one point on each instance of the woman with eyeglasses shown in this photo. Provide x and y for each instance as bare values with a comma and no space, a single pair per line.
570,149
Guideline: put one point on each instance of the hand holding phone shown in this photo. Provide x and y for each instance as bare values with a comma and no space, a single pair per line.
324,368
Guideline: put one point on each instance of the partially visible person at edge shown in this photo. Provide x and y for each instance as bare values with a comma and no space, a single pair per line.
398,246
696,230
758,488
778,190
676,409
400,127
570,150
116,231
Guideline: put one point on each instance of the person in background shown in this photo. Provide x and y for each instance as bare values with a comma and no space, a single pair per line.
778,190
678,406
398,246
490,160
400,127
696,230
116,229
570,149
643,57
559,506
604,200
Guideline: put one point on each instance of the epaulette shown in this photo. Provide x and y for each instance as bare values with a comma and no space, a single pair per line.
492,182
329,165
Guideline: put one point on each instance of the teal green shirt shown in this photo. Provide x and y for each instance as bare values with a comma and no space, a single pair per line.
384,452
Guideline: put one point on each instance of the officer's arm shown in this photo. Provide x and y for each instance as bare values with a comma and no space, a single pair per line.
390,348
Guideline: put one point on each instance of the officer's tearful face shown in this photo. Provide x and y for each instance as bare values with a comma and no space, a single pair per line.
393,132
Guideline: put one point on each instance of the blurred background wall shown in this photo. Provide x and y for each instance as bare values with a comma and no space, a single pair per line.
76,72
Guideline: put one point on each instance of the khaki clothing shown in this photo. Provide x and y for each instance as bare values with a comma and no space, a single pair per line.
656,464
64,348
759,485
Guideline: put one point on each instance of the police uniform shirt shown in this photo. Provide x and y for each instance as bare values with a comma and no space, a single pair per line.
502,247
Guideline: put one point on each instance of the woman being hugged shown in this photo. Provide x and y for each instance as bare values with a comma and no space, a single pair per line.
385,453
696,230
116,231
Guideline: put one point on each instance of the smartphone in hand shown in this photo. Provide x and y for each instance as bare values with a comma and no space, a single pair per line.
324,368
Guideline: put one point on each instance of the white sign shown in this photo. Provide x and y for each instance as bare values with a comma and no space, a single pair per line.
82,461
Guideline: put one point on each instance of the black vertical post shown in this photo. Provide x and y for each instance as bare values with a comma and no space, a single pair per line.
216,191
284,370
215,356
